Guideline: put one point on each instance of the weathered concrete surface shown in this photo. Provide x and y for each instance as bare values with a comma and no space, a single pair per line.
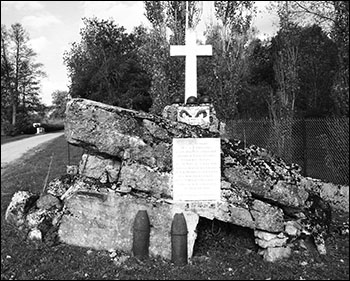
142,178
258,190
98,167
337,195
106,220
128,167
171,112
265,176
124,133
147,139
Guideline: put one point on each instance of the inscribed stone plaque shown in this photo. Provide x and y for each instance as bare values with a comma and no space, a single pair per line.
194,115
196,169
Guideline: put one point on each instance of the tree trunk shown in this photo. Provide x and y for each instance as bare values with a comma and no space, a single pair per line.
14,112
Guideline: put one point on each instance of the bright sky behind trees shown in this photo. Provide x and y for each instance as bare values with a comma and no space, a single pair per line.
54,25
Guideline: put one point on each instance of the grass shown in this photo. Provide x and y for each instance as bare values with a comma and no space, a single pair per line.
7,139
222,251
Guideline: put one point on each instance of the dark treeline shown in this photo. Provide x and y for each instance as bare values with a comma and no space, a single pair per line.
303,71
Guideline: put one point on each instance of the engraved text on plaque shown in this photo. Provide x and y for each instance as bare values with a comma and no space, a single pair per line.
196,169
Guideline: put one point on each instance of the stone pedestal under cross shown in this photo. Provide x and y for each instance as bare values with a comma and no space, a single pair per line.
191,50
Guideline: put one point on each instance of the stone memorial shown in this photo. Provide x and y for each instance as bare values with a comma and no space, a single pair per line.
164,165
128,167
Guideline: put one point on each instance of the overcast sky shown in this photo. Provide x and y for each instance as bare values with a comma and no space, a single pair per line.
54,25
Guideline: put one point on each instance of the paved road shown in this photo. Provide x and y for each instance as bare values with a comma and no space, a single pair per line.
14,150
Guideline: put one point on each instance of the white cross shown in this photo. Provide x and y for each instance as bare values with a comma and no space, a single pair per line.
191,50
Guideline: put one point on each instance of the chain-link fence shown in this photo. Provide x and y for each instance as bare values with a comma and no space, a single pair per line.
319,146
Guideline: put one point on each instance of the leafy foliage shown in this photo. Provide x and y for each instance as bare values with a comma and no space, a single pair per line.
302,71
286,61
104,66
333,18
168,76
59,101
235,14
317,69
224,76
155,58
313,72
20,76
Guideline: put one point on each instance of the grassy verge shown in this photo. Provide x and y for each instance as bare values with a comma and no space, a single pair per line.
222,251
7,139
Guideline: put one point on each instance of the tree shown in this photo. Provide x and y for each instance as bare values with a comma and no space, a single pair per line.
333,17
104,65
20,76
285,66
59,101
153,55
317,71
235,15
341,36
224,75
168,75
286,58
6,78
172,14
217,75
260,80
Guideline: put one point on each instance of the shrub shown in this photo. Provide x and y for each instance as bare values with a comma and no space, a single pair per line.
52,127
9,129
